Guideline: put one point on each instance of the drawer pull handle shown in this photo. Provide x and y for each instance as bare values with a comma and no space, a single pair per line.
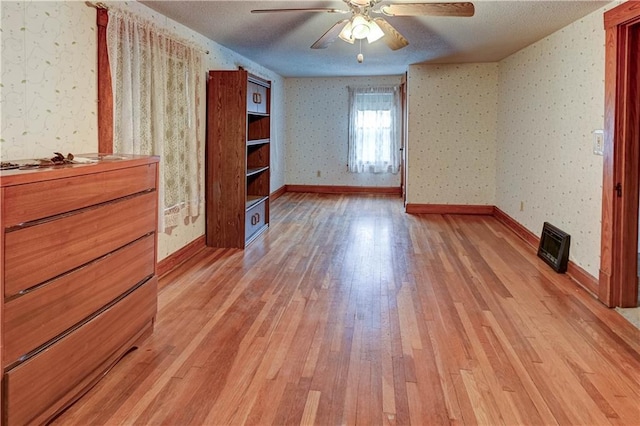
255,219
257,98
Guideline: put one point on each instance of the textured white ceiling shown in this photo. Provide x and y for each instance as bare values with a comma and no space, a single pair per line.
281,42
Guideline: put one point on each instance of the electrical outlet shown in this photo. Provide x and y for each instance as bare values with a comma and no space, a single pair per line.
318,174
598,142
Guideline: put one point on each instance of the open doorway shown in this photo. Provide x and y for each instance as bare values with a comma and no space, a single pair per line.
618,284
404,139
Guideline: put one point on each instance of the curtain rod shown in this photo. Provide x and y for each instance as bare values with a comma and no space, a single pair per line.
374,87
100,5
97,5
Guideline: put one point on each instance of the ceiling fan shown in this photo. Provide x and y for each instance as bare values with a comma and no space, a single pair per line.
362,25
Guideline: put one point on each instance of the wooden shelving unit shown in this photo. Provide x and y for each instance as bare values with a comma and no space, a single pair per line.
238,151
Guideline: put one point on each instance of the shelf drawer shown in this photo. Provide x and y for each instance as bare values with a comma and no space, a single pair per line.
48,382
51,197
40,252
257,98
255,219
39,316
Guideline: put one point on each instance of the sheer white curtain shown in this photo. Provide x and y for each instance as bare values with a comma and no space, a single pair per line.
374,129
158,86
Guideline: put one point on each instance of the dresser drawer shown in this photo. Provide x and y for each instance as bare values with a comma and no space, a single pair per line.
51,197
38,253
255,219
40,315
46,383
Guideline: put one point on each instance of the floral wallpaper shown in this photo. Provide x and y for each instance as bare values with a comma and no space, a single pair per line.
48,93
48,79
452,134
551,99
317,124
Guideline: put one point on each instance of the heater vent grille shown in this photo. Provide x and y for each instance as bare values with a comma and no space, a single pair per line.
554,247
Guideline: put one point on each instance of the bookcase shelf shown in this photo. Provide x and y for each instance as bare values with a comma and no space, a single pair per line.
253,172
252,200
238,144
257,142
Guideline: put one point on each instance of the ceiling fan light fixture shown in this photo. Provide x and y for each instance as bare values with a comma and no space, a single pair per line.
346,33
359,27
375,32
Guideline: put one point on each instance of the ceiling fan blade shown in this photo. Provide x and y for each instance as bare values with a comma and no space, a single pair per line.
310,9
392,37
431,9
330,36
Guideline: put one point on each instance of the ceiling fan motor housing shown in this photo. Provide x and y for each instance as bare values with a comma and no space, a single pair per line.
362,2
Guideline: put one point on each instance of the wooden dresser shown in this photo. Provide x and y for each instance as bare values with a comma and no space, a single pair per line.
78,277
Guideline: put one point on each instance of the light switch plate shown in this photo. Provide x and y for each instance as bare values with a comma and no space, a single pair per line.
598,142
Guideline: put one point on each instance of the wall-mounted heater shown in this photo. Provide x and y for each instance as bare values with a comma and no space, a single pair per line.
554,247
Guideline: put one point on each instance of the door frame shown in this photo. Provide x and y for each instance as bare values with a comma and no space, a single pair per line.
403,139
620,188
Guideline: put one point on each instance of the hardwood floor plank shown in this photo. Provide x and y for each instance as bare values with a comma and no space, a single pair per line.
465,406
521,364
403,417
310,408
432,409
264,408
386,359
482,402
350,311
483,377
442,370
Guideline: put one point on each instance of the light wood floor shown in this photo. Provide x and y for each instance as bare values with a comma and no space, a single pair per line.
349,311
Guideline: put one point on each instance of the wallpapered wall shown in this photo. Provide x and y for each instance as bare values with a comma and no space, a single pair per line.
551,98
48,79
49,88
317,111
535,111
452,134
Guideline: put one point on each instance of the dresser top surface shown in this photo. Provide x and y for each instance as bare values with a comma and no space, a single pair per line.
29,171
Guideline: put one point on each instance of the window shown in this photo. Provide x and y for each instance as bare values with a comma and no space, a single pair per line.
374,130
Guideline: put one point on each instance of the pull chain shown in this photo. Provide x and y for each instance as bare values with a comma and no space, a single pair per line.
360,56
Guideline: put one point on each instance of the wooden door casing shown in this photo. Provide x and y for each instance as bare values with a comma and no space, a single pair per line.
618,271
